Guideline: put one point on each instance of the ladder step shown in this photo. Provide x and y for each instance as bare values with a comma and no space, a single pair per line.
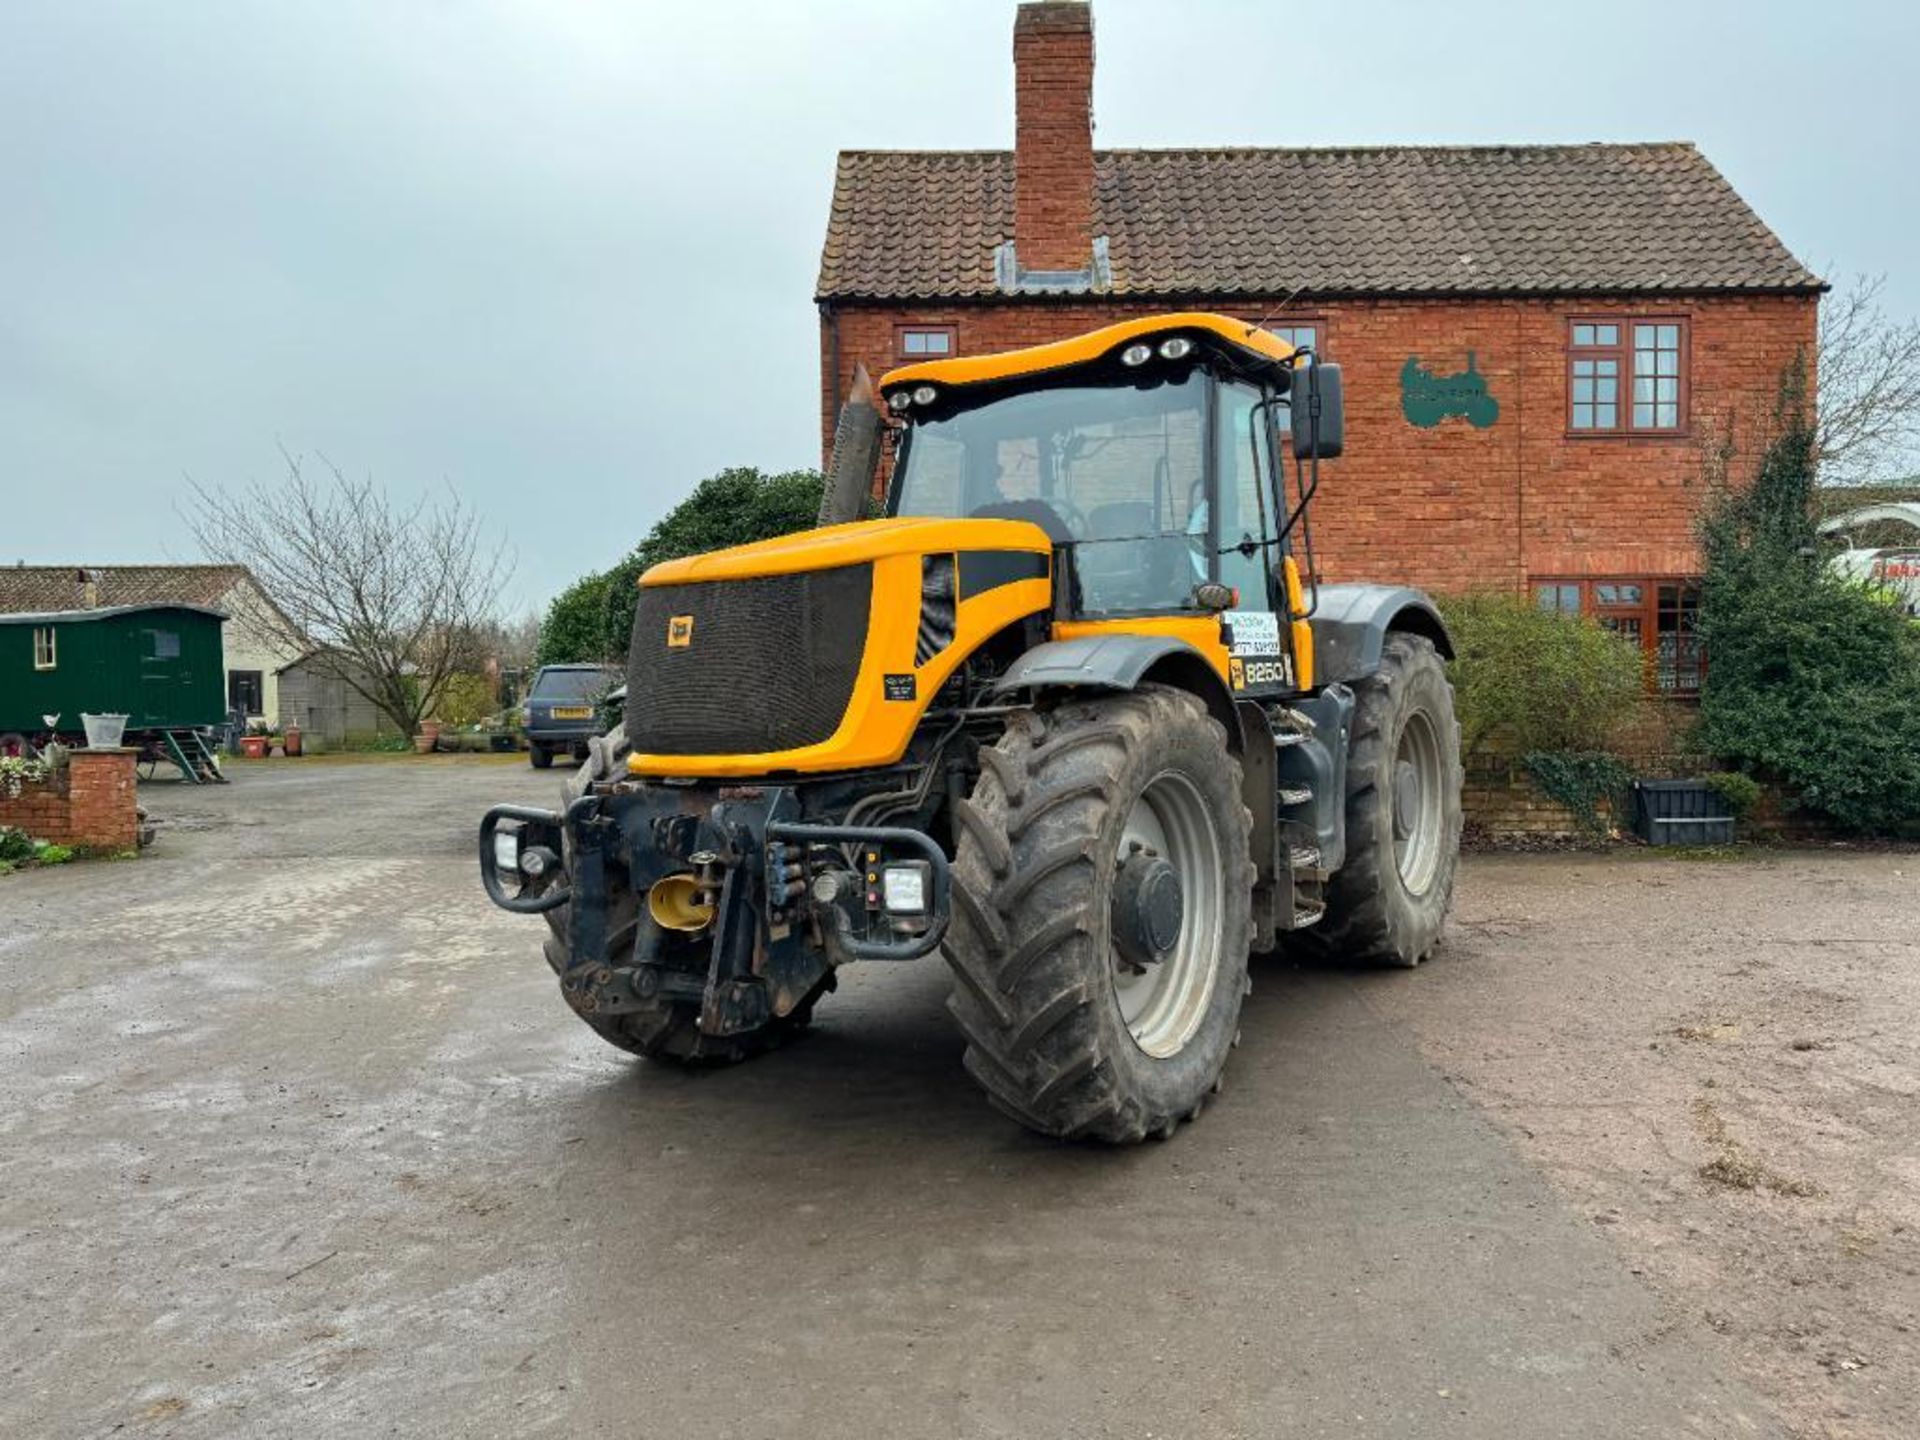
1295,795
1308,914
1286,739
1304,857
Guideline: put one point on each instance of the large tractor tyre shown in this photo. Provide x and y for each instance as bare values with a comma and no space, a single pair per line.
1102,898
1388,903
668,1031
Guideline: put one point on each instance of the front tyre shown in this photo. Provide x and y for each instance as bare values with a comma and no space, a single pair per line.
1388,903
1102,896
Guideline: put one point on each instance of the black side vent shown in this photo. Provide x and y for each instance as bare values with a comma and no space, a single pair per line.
936,607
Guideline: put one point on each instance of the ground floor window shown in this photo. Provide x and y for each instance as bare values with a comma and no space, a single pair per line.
45,654
1660,615
246,692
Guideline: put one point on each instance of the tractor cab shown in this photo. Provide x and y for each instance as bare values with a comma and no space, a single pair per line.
1152,455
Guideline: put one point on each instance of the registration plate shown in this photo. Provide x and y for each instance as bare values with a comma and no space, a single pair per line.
573,712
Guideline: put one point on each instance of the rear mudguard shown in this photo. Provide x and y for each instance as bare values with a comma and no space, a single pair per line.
1351,624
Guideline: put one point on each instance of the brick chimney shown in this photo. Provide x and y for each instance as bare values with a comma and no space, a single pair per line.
1053,136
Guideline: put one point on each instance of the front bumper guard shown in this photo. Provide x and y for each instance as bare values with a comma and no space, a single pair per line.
756,969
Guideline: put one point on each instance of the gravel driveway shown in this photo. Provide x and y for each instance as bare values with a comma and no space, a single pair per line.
296,1138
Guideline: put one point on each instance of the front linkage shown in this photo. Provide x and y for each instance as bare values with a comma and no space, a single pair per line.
742,906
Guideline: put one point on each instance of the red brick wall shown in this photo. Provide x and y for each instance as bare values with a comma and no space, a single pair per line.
1053,136
1454,506
92,804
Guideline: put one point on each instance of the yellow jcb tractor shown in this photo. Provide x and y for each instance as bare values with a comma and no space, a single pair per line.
1071,714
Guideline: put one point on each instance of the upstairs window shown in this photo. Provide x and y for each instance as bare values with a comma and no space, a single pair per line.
1627,376
924,342
44,655
1302,336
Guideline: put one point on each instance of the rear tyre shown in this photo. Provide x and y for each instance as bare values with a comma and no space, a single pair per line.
540,757
1069,1029
667,1031
1388,904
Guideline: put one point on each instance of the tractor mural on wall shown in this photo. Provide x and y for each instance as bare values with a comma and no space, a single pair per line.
1427,398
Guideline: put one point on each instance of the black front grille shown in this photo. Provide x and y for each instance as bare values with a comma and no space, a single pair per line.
767,664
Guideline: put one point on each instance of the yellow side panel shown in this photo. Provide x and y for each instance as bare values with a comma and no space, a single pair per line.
1302,631
876,729
1200,631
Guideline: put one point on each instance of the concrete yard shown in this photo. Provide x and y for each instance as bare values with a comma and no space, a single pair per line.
298,1139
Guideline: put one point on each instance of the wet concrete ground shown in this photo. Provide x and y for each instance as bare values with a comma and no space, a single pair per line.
297,1139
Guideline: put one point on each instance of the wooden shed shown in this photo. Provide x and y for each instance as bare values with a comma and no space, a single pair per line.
162,666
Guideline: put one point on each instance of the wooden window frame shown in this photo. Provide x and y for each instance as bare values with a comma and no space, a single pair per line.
48,633
1623,352
1646,611
902,330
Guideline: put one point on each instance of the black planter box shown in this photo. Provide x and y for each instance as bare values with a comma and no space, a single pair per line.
1680,812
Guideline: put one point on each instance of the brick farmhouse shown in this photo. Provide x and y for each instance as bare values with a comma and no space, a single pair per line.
1536,339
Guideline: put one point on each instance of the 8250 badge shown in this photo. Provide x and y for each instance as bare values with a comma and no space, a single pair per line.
1259,674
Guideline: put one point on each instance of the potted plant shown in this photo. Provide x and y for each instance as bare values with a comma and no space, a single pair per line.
253,744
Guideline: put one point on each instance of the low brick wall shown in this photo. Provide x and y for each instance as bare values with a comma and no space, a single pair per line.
1501,802
93,802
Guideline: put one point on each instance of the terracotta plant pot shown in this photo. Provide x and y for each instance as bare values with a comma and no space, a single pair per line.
423,743
254,747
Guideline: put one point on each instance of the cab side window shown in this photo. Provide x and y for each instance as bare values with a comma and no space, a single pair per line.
1246,501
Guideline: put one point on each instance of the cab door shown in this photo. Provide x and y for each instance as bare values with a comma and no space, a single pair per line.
1259,638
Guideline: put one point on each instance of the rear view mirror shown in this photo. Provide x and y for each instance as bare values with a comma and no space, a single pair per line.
1316,392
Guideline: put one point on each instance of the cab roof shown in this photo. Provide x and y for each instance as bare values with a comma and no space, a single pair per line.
1248,344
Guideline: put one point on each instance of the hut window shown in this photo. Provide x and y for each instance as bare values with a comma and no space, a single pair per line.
166,644
44,656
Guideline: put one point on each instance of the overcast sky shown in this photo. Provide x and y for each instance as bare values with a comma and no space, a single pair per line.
561,255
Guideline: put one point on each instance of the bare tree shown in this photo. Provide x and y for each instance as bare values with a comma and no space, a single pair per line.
1869,373
383,595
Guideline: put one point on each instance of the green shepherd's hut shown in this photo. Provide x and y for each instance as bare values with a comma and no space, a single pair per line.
162,666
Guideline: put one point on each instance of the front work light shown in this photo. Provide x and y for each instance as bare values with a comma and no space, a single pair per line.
1136,355
923,394
1177,348
903,888
899,400
506,852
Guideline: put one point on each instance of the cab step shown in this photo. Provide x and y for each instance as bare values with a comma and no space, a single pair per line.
1294,795
1305,859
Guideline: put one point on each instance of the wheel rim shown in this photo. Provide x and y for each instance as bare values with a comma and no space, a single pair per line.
1164,1004
1416,800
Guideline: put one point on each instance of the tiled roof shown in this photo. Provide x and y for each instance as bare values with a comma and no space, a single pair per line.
1518,219
58,587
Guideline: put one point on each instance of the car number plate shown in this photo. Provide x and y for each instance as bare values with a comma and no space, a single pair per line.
573,712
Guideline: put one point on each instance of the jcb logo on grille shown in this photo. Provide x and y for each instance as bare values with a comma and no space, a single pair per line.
679,632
